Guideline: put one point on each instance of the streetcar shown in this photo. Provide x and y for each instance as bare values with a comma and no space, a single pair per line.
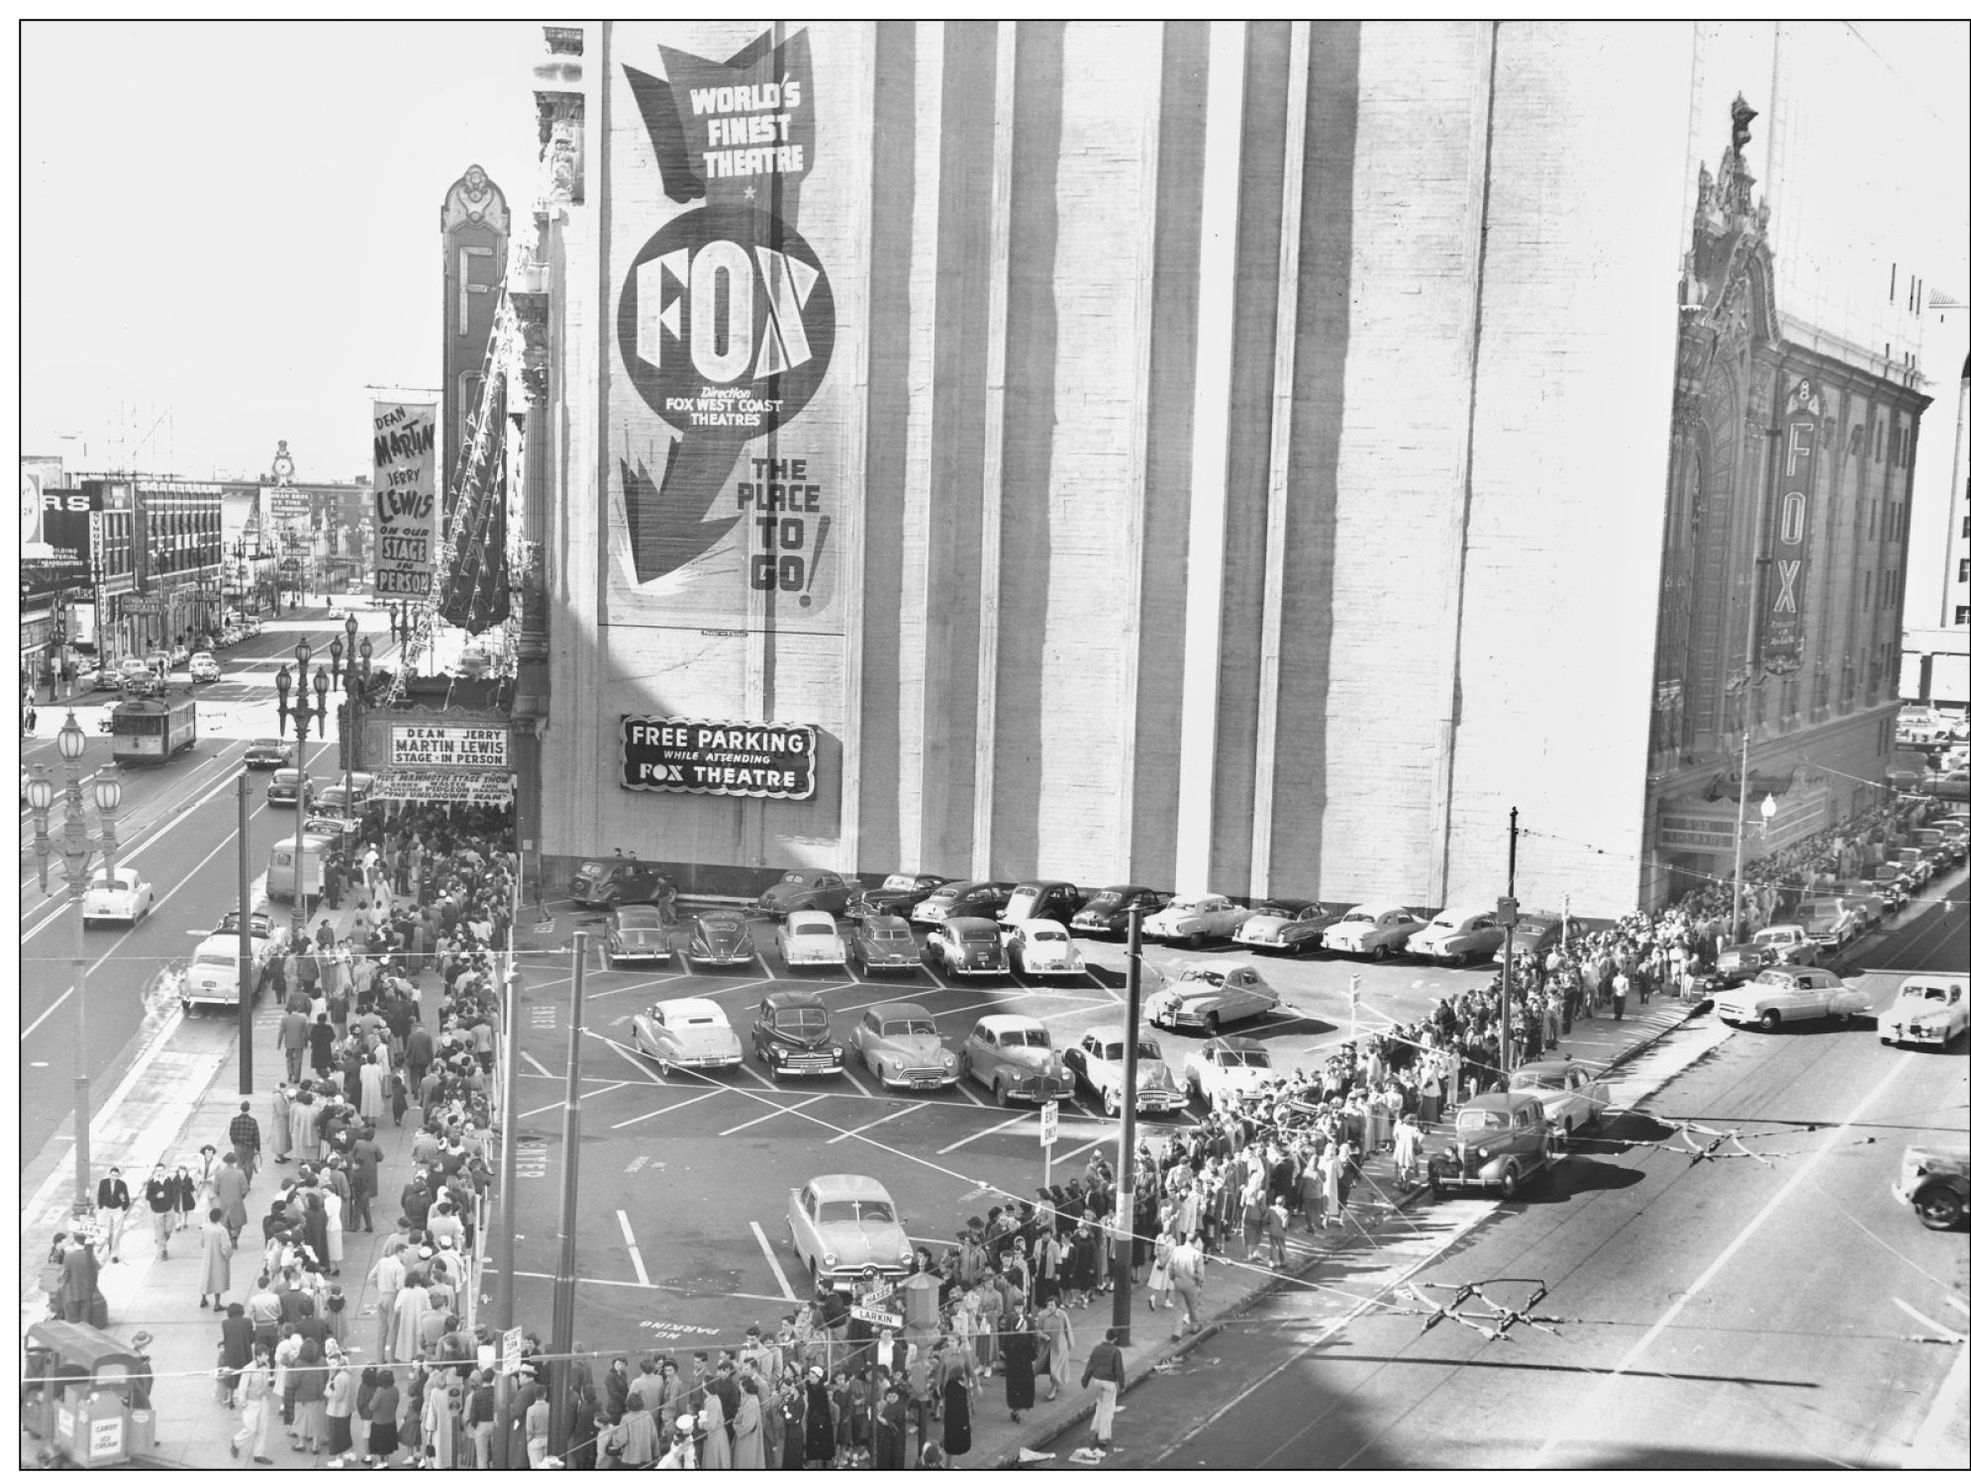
152,730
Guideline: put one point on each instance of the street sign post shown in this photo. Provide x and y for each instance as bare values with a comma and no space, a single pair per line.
510,1352
1354,1001
1050,1131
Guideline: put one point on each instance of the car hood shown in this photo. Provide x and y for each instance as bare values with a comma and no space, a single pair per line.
695,1041
803,1037
923,1052
1908,1010
1036,1058
858,1242
1154,1073
1244,1077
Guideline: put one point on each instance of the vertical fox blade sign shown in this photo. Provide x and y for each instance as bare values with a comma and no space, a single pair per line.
1799,450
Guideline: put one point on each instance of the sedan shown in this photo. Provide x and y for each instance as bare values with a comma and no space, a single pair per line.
847,1228
806,888
1459,936
966,947
116,896
966,900
1040,947
180,655
1108,912
1289,931
1228,1069
1015,1058
205,668
634,933
1097,1062
288,785
1375,931
1207,997
1195,918
1574,1097
268,754
691,1033
1927,1009
898,1045
882,942
897,894
721,938
1791,993
808,938
1740,963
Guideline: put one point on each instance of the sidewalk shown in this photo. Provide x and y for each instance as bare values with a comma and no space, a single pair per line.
1062,1427
170,1104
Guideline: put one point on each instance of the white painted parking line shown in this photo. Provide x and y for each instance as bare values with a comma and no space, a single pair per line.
774,1114
636,1258
636,1165
681,1104
990,1130
563,1104
47,1014
539,1067
852,1134
766,1083
975,1096
861,1087
779,1277
1113,1135
618,990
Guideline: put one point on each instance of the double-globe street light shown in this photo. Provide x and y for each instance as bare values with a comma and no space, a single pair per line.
354,676
75,847
302,712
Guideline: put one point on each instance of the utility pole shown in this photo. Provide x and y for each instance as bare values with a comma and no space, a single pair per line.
562,1340
1738,832
1126,1202
248,980
1508,917
509,1176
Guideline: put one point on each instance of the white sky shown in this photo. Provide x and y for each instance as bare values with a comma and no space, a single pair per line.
230,230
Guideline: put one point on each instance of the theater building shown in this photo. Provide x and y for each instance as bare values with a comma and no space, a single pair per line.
1254,456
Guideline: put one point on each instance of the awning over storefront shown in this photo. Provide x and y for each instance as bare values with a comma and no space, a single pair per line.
474,787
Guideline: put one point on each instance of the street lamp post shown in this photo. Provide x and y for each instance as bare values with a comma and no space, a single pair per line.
355,673
75,847
299,707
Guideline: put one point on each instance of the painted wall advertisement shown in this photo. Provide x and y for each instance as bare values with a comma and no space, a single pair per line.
731,203
717,757
55,528
405,486
1798,448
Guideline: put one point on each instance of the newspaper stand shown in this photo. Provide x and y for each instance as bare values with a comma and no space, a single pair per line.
79,1395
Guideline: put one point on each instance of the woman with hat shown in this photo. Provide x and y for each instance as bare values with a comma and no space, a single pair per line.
818,1437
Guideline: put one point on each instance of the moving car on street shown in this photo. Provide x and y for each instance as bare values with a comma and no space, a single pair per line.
792,1035
1014,1057
1280,928
213,977
897,894
269,754
1937,1183
1196,918
1926,1009
1458,936
1209,997
1041,947
966,947
1573,1097
882,942
1097,1062
808,938
635,934
1373,931
1790,993
1503,1141
967,899
898,1045
116,896
846,1228
1737,964
1108,912
806,888
688,1033
288,786
1229,1069
204,668
720,938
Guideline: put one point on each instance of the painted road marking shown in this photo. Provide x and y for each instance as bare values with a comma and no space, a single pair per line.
1032,1114
618,990
850,1134
636,1258
527,1273
47,1014
1954,1337
563,1104
1595,1409
681,1104
539,1066
779,1275
636,1165
773,1114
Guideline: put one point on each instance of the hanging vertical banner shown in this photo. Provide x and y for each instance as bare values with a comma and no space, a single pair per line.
736,209
475,594
405,487
1798,454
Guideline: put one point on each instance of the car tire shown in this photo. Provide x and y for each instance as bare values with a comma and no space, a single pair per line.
1112,1104
1940,1207
1194,942
999,1095
1842,1020
1770,1019
964,1066
1211,1024
1380,953
1509,1182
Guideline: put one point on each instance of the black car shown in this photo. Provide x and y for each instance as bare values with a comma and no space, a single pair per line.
288,787
1537,934
269,754
1108,912
1046,898
965,900
792,1035
602,882
635,932
897,894
1740,963
721,937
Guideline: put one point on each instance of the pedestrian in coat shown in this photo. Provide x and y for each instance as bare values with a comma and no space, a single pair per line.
161,1196
218,1260
235,1352
1016,1343
383,1419
818,1420
301,1126
279,1124
78,1285
229,1186
112,1208
260,1404
293,1038
310,1378
339,1405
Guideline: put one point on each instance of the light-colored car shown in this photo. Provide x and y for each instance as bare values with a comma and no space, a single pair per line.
635,933
1097,1060
1210,997
898,1045
287,786
1373,931
1014,1056
808,938
882,942
1228,1069
1789,943
137,678
1288,927
1574,1097
1192,919
1790,993
116,896
204,668
212,979
268,753
688,1033
1459,936
1041,947
1926,1009
966,946
180,655
847,1228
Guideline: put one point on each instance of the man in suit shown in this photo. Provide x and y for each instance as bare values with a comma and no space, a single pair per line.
113,1205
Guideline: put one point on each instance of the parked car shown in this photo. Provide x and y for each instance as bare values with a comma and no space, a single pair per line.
1227,1070
333,802
1536,934
289,786
1014,1057
1893,884
180,655
635,934
1279,927
1740,963
1831,923
897,894
204,668
1503,1141
1573,1097
212,978
1373,931
108,676
806,888
720,938
898,1044
1926,1009
792,1035
602,882
136,677
882,942
1790,993
1107,913
268,754
966,947
1921,724
1915,862
964,900
847,1228
1209,997
116,896
1945,850
1196,918
1864,900
1937,1183
1789,943
688,1033
1460,936
1097,1061
1045,899
1041,947
807,938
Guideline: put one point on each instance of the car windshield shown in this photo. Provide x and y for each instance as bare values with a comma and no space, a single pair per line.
899,881
1358,916
1540,1078
274,744
801,1017
855,1212
1313,911
637,919
1471,1120
587,870
1025,1037
892,934
1199,975
1047,932
1230,1058
1916,991
1108,898
818,927
1778,980
1194,903
911,1027
218,952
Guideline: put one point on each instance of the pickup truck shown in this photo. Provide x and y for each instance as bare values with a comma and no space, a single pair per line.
1937,1183
1503,1140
